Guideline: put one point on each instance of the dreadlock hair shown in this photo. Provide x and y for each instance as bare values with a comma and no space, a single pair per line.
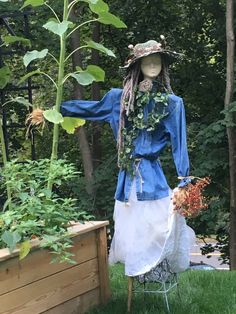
130,84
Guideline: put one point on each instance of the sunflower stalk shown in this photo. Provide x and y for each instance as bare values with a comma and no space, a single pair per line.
61,69
4,158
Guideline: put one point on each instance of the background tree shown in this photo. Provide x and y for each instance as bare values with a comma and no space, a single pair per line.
230,106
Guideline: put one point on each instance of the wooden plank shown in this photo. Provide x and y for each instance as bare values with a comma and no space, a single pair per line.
103,265
53,290
75,229
15,273
80,228
78,305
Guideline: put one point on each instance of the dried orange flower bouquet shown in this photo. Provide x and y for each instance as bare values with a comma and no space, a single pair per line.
189,201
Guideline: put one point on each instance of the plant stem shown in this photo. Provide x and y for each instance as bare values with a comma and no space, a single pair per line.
54,58
56,16
78,48
58,96
50,78
80,25
4,158
70,6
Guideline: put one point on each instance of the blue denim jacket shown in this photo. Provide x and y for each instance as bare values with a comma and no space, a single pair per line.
150,180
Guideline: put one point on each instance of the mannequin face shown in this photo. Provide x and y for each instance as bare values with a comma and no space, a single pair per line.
151,66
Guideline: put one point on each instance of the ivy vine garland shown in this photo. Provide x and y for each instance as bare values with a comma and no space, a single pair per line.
136,121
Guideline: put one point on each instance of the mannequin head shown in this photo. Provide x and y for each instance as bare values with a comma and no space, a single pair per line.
151,66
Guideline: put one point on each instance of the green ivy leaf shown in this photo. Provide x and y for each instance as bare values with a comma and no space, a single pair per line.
83,78
32,55
100,47
96,72
24,249
5,76
13,39
110,19
29,74
11,239
70,124
58,28
52,115
33,3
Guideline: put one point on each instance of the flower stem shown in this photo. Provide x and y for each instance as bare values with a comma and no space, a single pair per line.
4,158
61,69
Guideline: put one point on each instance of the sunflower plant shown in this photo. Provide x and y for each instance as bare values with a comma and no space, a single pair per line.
34,209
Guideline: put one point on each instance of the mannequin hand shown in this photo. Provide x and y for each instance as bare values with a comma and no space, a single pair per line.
179,197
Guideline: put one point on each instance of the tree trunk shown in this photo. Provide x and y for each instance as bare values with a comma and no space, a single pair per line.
81,132
96,142
231,131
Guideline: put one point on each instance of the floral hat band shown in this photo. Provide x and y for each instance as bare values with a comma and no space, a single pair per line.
150,47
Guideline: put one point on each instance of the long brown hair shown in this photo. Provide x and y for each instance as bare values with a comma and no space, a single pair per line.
130,84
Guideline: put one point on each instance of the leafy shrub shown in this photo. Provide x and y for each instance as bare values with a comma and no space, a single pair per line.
36,211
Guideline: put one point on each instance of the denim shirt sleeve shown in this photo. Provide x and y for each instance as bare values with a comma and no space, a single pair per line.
90,110
176,127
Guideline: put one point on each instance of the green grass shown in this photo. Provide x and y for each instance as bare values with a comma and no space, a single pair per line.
201,292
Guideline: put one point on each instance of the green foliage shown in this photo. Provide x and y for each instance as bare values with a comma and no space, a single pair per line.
13,39
110,19
36,211
58,28
96,72
24,249
100,47
136,118
10,239
5,76
53,116
229,113
70,124
99,6
29,74
33,3
32,55
91,74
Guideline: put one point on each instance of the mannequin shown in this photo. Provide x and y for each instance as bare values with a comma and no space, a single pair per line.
151,68
144,116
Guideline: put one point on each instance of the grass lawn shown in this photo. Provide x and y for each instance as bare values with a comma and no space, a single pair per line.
201,292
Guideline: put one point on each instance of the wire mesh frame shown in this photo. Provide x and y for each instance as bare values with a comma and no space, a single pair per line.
29,88
159,280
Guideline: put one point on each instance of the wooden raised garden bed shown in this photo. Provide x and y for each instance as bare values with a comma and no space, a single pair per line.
33,285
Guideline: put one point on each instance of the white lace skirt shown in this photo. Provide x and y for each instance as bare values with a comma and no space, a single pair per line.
146,232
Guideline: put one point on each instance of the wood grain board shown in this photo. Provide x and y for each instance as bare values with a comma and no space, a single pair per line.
34,286
77,305
15,273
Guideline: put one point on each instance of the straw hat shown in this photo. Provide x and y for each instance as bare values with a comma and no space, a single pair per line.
150,47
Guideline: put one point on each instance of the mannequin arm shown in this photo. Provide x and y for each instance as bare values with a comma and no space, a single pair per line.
176,126
91,110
